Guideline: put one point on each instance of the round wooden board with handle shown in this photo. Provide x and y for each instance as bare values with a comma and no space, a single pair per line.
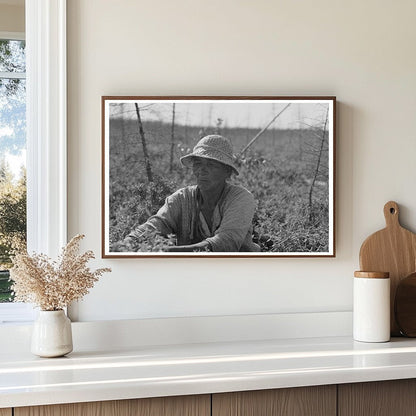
405,306
393,250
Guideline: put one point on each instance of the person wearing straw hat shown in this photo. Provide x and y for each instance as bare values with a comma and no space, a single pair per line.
212,215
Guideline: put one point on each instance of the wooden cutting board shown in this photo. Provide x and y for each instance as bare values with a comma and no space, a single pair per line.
393,250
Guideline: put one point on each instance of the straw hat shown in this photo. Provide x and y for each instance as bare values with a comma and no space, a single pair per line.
213,147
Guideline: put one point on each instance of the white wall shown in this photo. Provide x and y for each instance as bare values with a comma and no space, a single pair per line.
12,18
363,52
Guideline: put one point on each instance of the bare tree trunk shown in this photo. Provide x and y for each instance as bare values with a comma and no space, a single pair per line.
186,125
318,164
172,139
300,134
145,153
248,127
262,131
210,116
274,130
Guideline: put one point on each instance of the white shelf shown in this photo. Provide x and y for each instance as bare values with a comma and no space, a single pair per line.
151,371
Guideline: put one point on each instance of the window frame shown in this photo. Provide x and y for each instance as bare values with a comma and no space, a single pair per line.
46,138
46,125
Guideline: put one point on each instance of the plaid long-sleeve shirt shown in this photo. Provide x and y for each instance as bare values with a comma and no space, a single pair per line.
231,229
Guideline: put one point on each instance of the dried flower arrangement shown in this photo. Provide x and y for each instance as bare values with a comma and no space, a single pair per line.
53,285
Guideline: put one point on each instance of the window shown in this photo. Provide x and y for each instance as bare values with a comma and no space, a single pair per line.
12,153
46,135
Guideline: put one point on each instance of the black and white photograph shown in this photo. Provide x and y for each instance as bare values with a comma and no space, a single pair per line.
218,176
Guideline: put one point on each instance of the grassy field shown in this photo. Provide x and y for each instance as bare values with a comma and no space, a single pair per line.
278,169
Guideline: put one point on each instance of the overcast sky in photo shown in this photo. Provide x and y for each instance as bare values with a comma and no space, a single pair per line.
241,114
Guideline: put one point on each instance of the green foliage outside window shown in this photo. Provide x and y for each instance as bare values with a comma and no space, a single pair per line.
12,145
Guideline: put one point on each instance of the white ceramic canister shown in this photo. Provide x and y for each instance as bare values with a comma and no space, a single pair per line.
371,309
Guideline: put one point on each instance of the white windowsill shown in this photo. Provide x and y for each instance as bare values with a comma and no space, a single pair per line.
16,313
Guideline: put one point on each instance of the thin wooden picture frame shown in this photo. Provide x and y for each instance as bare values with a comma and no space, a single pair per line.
284,148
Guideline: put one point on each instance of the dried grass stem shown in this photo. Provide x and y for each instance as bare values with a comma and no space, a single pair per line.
53,285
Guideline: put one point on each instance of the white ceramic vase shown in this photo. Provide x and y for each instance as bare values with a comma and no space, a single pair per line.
52,334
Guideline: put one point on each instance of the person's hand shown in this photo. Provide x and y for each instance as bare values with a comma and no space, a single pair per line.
123,245
173,249
202,246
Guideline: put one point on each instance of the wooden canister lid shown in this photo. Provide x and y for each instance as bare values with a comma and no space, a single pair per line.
372,275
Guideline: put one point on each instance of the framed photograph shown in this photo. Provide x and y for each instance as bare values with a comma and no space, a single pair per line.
218,177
